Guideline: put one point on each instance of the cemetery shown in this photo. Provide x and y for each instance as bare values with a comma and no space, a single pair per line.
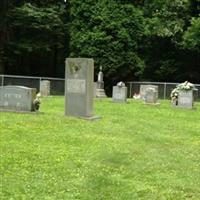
99,100
132,151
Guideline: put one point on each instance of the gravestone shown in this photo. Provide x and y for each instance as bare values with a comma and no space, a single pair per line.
185,99
151,96
100,92
45,88
17,98
79,76
119,93
144,87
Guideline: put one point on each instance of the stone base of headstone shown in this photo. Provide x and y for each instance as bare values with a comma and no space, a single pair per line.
179,107
92,118
152,104
100,85
100,93
22,112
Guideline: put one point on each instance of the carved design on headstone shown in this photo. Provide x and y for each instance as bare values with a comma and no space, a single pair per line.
74,67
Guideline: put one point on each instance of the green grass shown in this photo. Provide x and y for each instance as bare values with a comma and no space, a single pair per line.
135,151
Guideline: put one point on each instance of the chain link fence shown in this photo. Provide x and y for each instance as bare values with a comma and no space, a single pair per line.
164,89
57,85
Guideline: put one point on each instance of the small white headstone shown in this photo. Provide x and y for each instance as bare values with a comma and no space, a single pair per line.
185,99
144,87
151,95
45,88
119,93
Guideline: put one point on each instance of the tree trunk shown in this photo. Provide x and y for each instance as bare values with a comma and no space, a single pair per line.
55,60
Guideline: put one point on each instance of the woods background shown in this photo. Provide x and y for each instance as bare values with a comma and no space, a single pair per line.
152,40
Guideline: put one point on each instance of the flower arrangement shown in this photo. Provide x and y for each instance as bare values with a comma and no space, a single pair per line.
186,86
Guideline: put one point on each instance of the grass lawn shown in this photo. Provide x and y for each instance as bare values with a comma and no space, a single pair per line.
135,151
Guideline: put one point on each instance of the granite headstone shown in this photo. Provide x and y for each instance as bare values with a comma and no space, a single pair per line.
45,88
185,99
79,92
119,93
151,95
17,98
144,87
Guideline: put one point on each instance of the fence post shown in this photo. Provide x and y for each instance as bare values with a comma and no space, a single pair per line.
40,79
130,91
165,85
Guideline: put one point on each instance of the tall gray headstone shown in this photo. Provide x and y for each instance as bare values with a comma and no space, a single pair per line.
79,76
119,93
45,88
185,99
17,98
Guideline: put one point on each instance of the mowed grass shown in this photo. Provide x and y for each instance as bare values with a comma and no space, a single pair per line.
135,151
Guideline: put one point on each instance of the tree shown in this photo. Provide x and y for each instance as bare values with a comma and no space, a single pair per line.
38,38
110,33
165,56
191,37
3,33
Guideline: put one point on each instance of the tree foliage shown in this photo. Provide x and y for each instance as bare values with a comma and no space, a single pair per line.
191,37
110,33
37,36
167,50
132,39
